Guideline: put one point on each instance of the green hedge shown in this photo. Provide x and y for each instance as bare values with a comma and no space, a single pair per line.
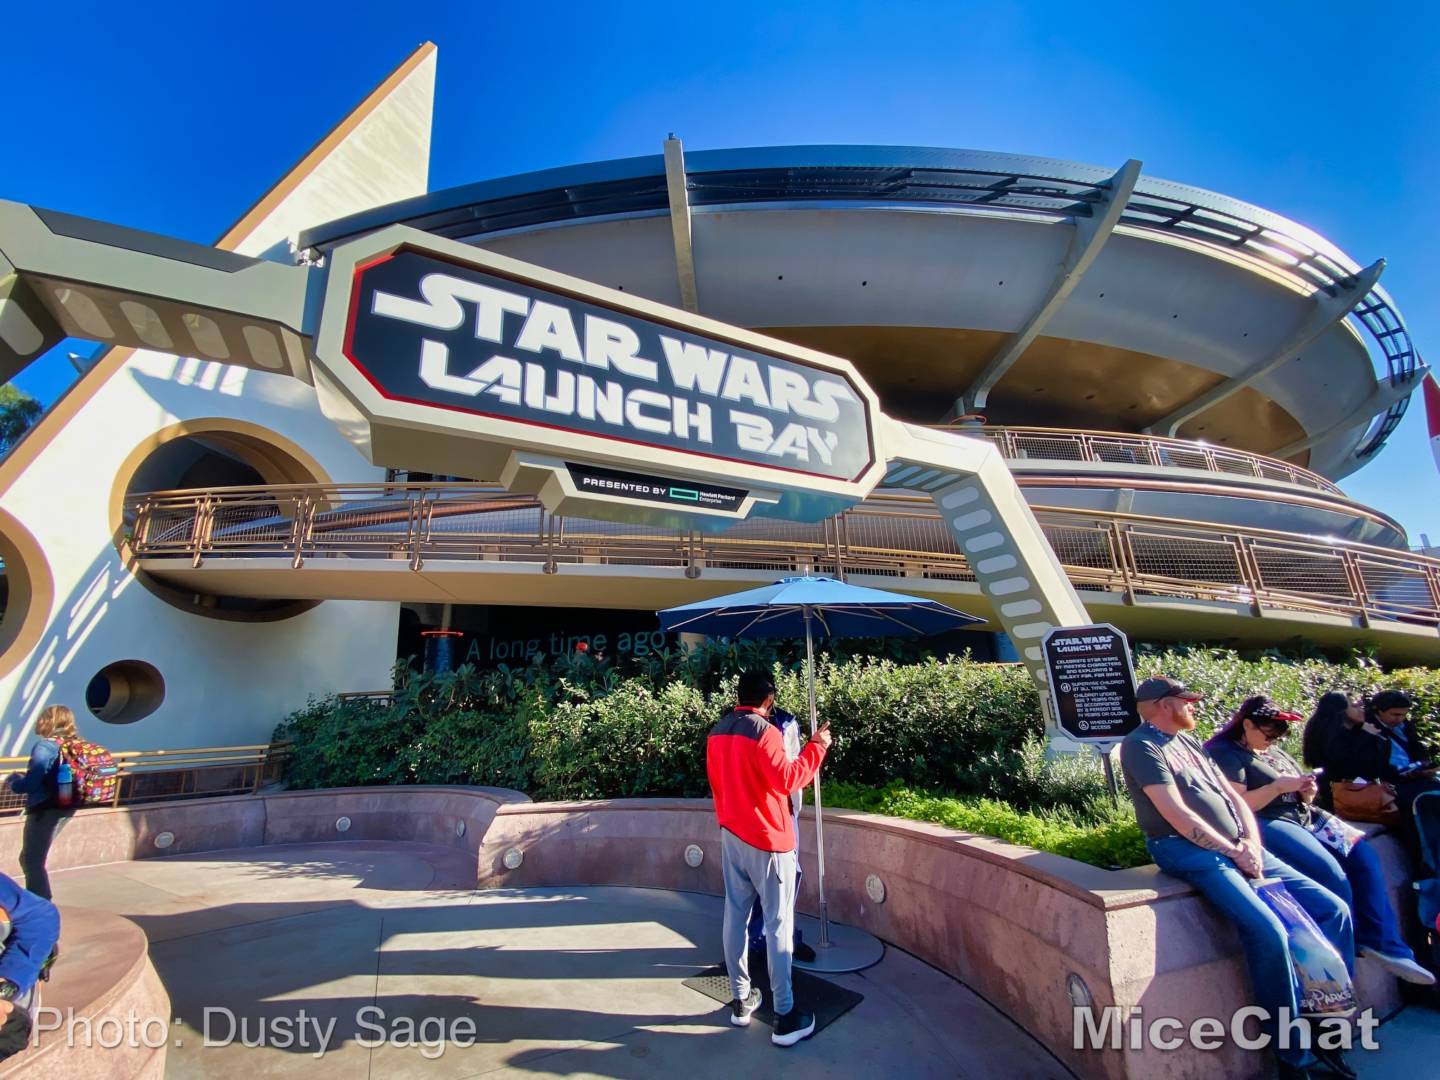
951,741
1114,840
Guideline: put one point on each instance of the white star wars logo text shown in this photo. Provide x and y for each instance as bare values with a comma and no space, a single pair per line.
691,373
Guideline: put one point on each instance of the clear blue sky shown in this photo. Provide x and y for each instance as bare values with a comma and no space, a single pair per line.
174,118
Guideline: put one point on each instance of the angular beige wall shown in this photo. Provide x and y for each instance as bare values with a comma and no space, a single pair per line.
226,682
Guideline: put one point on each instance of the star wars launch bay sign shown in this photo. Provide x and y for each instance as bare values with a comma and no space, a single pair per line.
1092,683
541,379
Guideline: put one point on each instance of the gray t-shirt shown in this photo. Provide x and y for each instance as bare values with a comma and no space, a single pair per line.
1149,756
1254,770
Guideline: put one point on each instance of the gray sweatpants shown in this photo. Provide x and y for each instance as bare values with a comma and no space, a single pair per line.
749,872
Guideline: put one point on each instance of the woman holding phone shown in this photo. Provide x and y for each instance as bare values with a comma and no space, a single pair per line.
1314,842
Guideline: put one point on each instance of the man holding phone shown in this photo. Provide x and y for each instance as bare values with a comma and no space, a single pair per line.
789,734
752,782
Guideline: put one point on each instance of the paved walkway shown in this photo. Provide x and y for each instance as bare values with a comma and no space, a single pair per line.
1409,1047
557,982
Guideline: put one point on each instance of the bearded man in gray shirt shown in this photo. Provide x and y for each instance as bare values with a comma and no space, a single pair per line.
1197,829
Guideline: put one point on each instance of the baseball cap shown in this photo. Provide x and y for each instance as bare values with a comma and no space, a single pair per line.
1261,709
1162,686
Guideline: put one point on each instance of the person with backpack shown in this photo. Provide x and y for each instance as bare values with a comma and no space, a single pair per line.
41,785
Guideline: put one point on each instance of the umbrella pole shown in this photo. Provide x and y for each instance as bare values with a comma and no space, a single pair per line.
819,823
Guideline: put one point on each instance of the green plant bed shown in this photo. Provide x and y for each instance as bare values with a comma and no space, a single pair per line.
1107,836
951,741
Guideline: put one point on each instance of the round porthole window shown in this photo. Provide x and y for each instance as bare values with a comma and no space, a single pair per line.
125,691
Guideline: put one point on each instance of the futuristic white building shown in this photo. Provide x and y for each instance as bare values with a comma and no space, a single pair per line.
1176,378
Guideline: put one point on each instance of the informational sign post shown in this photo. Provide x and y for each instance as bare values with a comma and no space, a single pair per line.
1092,686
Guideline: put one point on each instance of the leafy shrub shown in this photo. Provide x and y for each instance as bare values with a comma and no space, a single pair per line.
952,741
1107,837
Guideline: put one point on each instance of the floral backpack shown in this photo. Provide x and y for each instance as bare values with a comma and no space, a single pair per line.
95,776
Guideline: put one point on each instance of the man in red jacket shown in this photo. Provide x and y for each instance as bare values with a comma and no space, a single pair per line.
752,783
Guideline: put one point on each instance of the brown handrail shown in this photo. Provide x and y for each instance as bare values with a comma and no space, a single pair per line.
1017,443
148,776
893,534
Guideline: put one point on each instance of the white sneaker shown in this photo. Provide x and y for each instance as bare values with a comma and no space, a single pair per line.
1399,966
742,1010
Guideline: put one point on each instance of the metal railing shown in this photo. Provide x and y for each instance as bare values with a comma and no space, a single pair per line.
1017,443
148,776
1115,448
890,534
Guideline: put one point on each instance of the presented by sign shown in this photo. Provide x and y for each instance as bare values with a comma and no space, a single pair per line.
1092,683
424,335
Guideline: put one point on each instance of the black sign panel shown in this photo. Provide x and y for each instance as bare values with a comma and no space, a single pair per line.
1092,684
428,331
690,494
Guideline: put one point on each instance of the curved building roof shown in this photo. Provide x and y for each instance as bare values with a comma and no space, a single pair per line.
934,311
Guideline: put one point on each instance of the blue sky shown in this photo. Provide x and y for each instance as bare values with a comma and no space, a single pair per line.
175,118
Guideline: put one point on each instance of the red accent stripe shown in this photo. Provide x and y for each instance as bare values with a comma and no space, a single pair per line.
1432,405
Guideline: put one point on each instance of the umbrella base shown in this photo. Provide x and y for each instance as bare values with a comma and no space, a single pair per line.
850,948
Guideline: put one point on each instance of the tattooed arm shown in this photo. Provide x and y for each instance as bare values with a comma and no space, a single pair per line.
1189,824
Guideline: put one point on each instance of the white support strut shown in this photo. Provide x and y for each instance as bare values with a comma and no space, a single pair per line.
678,193
1012,560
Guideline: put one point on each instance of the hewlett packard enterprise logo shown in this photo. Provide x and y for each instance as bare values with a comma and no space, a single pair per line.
430,331
594,480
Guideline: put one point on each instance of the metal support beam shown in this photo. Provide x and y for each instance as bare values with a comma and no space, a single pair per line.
679,195
27,328
1087,242
1012,560
1384,395
63,275
1325,312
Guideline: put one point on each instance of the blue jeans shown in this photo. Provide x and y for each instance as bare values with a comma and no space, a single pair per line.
1355,878
1262,936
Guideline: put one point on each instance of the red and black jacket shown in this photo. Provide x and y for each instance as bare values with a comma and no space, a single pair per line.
751,780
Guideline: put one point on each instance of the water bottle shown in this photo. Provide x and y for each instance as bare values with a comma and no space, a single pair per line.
65,785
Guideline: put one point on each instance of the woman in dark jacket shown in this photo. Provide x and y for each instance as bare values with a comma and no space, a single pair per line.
1316,843
44,816
1384,746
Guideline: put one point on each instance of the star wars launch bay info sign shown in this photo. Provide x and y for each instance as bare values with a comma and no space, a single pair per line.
1092,684
538,372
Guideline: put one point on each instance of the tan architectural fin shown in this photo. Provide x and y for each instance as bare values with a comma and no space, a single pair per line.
379,153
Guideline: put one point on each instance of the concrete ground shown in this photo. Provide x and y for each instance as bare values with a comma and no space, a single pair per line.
1409,1047
322,952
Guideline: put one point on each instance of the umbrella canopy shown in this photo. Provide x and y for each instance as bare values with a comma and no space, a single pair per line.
837,609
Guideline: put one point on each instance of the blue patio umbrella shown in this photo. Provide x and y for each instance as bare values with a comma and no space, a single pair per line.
806,606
